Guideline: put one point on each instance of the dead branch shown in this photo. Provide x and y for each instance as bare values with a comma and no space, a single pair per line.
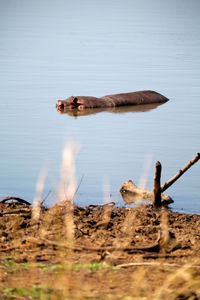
15,198
168,183
156,188
42,241
154,248
138,264
18,212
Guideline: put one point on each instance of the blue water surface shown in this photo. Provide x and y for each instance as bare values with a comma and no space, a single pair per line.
51,50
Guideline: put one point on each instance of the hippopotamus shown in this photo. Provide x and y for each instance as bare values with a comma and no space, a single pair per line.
115,100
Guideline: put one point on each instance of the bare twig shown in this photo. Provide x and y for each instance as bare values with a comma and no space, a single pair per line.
78,187
168,183
15,198
49,192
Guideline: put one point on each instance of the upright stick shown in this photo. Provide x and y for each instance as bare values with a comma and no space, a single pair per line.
168,183
156,188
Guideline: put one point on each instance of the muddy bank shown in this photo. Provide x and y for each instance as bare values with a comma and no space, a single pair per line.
129,238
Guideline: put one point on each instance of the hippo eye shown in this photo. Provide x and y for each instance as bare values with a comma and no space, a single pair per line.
75,99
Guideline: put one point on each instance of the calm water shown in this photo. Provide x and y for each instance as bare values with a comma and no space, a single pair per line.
50,50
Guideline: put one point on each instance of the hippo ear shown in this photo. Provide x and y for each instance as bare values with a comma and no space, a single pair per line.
75,99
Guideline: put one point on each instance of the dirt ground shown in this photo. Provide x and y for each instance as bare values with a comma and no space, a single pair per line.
98,252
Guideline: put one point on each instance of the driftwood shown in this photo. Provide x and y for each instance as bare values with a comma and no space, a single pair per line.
131,193
157,189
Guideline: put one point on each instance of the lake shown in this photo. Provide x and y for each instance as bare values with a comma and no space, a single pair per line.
51,50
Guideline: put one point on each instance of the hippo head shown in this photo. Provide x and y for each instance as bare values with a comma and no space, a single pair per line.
70,103
61,104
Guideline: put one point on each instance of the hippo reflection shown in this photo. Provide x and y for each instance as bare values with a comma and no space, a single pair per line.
118,110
